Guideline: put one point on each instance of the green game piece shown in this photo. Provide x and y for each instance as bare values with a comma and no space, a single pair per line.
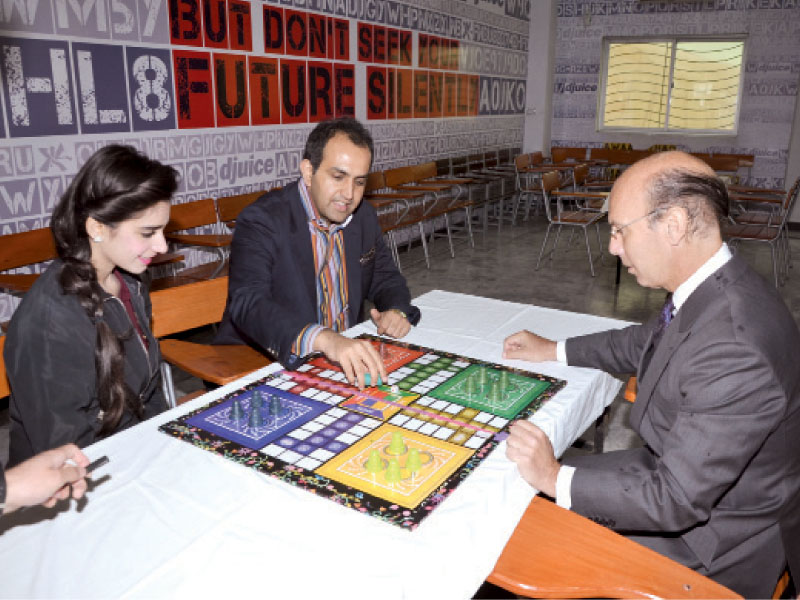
413,462
256,401
470,387
397,446
374,463
393,474
494,393
504,379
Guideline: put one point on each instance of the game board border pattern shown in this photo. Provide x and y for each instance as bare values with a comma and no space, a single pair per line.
340,493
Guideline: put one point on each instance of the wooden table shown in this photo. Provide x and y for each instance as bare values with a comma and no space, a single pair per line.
555,553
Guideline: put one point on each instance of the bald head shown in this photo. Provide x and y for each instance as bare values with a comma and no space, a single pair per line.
668,161
665,215
679,179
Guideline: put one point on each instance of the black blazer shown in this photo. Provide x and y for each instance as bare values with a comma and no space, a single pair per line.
49,356
272,292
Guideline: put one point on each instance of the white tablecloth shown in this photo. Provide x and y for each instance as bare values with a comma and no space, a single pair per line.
170,520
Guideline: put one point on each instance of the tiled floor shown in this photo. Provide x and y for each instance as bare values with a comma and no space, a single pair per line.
501,265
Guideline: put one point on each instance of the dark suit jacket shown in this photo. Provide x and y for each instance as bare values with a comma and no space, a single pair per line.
717,485
272,292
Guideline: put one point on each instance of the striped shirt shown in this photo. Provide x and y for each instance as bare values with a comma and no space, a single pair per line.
330,268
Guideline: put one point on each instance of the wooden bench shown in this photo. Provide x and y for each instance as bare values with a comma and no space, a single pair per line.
190,215
197,304
21,250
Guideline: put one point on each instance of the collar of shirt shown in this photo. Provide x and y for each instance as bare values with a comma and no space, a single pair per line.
684,290
311,211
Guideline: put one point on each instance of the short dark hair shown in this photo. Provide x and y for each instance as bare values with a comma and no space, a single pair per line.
704,197
322,133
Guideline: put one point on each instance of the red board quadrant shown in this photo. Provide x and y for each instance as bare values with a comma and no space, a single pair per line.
394,451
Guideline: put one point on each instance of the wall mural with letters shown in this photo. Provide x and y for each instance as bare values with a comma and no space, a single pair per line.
772,71
226,91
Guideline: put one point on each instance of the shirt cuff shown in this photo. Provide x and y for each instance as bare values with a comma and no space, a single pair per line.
304,343
563,486
561,352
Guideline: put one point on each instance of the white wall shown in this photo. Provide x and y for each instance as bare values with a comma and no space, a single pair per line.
539,107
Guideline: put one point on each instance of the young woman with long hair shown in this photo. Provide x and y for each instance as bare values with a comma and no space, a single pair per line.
80,356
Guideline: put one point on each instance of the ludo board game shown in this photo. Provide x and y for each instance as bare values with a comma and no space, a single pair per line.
394,451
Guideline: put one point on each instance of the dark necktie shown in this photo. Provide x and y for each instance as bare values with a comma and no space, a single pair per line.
663,321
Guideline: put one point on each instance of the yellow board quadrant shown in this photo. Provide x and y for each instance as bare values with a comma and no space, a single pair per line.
439,460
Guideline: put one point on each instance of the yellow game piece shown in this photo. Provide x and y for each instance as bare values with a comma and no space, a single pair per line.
413,462
374,463
397,446
393,474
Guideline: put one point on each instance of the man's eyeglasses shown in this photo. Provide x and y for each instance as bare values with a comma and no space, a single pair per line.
616,230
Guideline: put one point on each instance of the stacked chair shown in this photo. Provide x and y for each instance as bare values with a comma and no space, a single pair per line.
766,226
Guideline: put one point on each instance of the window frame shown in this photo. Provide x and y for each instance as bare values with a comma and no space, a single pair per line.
667,130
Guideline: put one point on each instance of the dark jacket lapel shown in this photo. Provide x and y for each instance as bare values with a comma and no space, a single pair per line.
301,243
677,332
352,252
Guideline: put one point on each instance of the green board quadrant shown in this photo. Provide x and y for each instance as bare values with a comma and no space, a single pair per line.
518,393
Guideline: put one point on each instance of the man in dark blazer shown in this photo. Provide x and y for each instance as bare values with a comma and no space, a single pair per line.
717,484
304,258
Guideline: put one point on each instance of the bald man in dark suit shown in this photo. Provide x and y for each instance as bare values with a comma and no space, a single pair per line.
716,485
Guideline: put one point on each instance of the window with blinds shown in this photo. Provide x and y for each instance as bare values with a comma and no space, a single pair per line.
685,85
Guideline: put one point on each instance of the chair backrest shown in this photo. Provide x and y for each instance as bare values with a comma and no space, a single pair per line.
744,160
399,176
425,170
375,181
187,306
579,175
550,181
5,389
26,248
791,198
443,166
537,158
490,159
521,162
458,165
618,157
476,162
566,153
726,164
504,156
229,207
191,214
